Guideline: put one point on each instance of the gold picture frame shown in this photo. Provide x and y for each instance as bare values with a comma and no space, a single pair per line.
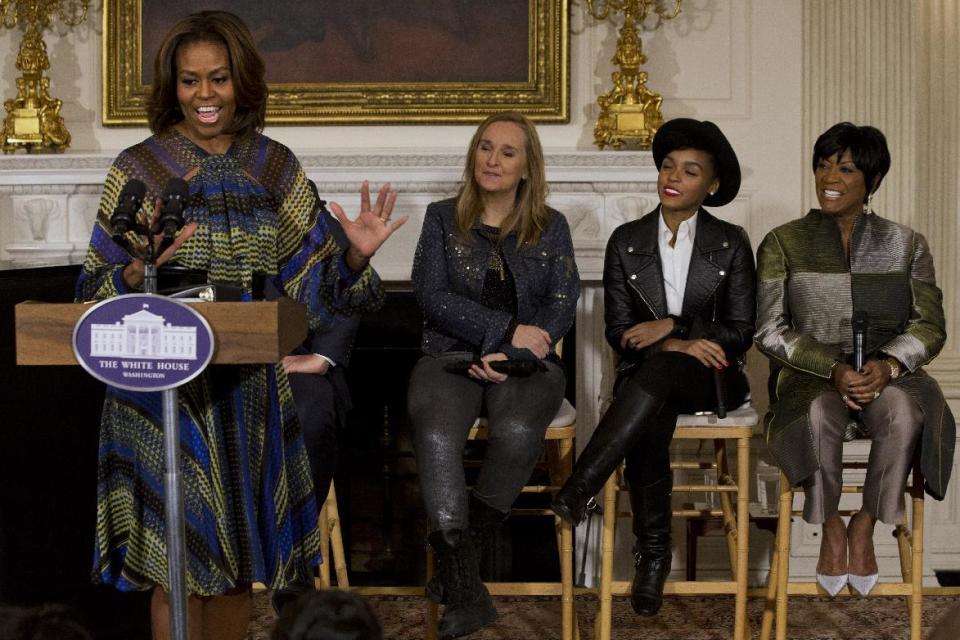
543,95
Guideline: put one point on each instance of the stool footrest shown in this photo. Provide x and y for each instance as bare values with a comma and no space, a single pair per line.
705,488
882,589
683,588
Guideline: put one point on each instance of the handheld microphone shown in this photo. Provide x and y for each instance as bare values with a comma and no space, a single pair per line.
860,325
124,217
718,388
174,196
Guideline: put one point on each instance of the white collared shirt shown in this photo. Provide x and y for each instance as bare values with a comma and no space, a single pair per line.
675,260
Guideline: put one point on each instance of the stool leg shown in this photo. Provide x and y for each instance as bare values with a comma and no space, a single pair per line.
604,616
770,602
336,539
726,504
561,466
741,625
916,537
432,608
693,533
324,526
784,526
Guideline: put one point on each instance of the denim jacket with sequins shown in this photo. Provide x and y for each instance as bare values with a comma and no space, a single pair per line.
448,275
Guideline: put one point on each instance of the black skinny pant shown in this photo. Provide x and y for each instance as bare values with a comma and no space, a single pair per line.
321,412
686,386
443,406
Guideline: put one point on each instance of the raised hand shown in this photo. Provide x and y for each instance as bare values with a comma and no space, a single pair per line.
372,226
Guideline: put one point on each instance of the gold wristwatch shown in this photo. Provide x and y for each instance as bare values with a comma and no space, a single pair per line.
894,365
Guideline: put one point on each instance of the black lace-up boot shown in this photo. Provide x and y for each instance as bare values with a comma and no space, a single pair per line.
485,521
469,606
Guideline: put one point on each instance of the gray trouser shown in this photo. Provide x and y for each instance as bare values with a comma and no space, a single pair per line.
894,422
443,406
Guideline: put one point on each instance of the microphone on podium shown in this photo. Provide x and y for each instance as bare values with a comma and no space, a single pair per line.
174,197
124,216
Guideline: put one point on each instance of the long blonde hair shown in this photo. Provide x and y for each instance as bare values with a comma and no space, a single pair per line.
529,216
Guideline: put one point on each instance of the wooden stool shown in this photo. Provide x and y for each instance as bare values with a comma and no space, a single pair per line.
909,545
738,425
559,453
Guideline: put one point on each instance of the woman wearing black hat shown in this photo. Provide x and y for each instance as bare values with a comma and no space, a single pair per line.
679,293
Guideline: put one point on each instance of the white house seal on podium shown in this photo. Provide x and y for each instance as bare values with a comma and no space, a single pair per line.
143,342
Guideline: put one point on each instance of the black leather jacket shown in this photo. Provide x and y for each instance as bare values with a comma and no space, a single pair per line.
719,299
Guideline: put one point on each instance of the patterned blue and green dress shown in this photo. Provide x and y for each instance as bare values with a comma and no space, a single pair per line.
250,510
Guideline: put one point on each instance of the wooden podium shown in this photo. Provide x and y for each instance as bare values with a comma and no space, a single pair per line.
245,332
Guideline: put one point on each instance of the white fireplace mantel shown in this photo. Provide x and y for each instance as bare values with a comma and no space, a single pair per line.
48,203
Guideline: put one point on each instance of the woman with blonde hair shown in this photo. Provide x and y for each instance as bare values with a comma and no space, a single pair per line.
495,277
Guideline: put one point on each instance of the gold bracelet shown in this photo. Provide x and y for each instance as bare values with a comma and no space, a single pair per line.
894,365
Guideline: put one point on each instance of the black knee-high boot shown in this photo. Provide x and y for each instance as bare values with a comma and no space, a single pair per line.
652,515
469,606
618,432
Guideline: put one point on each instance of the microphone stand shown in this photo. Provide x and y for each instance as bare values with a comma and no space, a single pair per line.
172,484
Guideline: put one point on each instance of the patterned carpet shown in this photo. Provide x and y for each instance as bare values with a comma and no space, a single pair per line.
690,618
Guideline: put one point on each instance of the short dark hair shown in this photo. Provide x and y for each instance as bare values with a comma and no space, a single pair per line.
327,615
868,148
246,70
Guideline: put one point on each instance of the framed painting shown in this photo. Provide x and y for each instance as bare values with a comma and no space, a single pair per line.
365,61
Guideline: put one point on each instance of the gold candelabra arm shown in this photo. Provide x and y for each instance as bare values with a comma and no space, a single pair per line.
600,9
638,9
72,12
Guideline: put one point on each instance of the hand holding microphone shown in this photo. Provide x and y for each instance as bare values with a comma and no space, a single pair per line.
857,384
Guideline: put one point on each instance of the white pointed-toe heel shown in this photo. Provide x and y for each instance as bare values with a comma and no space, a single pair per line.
832,584
863,584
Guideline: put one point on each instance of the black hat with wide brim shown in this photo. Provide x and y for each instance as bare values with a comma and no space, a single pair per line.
687,133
